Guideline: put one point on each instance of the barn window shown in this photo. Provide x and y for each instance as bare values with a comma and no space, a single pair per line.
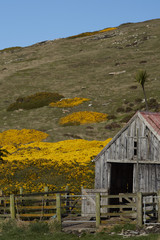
135,148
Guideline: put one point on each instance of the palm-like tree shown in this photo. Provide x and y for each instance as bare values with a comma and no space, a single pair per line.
141,78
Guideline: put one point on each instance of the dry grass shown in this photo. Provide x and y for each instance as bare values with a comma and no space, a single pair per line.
81,68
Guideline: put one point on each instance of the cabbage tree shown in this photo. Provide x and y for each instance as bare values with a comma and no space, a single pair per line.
141,78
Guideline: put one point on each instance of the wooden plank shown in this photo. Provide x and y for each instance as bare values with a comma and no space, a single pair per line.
5,215
119,206
35,207
139,209
110,196
129,195
150,211
127,213
146,161
4,208
149,194
121,195
42,193
5,198
31,215
98,218
149,204
33,198
58,208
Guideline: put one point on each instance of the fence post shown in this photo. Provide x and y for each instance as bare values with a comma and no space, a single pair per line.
58,208
139,209
67,199
98,217
12,207
1,194
46,189
21,190
158,203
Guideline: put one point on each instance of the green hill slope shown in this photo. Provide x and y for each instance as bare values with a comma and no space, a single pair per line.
100,67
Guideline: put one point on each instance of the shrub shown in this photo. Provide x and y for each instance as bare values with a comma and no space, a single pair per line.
127,118
69,102
128,109
112,125
39,227
133,87
36,100
112,116
152,103
92,33
35,165
120,109
138,100
83,118
16,137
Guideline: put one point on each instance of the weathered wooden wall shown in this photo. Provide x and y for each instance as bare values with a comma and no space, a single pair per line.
135,143
148,178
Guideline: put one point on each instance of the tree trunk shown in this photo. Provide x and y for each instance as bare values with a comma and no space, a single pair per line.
145,98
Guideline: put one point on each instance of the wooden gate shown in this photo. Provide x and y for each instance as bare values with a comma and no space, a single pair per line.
88,208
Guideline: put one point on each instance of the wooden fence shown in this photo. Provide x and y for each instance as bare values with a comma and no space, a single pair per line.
142,207
60,205
31,206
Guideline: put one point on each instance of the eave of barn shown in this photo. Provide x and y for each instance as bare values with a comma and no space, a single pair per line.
140,123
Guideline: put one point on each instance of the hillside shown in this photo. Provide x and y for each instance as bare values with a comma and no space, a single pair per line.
100,67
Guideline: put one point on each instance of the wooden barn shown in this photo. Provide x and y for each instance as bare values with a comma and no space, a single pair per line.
131,161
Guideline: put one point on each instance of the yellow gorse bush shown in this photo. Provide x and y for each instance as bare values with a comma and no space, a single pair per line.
61,152
84,117
37,164
69,102
14,136
92,33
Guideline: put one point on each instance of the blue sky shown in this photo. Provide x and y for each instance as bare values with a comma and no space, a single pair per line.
25,22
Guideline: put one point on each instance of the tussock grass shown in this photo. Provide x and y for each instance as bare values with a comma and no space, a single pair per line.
36,100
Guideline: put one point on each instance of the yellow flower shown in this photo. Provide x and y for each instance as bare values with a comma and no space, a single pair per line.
37,164
14,136
69,102
85,117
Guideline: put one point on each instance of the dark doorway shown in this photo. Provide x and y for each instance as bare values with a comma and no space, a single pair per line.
121,179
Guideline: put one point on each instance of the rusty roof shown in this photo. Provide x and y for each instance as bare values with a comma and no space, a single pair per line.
153,120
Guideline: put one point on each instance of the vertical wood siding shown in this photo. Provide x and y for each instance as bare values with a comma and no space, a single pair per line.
122,148
148,146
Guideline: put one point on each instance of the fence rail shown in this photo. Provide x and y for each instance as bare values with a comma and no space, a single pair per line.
64,205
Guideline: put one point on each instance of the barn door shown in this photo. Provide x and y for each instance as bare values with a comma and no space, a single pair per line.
121,181
121,178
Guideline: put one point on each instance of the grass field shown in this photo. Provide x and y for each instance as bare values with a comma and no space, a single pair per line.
43,231
100,67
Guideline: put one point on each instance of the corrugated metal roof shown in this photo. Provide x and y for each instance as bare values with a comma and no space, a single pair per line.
153,119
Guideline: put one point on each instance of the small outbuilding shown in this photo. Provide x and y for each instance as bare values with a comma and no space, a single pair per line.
131,161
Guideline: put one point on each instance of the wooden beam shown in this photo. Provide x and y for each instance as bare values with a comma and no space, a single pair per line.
139,209
98,217
132,161
58,208
12,206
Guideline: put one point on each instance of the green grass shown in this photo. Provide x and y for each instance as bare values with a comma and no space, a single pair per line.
47,231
